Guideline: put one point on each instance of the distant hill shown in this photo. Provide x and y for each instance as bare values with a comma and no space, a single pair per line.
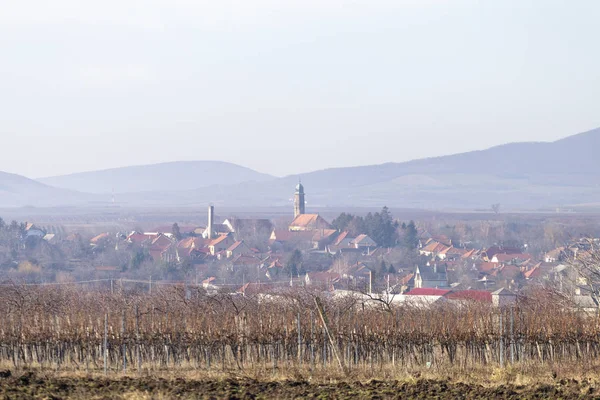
518,175
19,191
563,173
172,176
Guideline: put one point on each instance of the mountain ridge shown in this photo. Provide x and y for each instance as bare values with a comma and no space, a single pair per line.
518,175
179,175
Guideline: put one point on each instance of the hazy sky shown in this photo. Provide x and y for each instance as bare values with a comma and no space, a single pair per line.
288,86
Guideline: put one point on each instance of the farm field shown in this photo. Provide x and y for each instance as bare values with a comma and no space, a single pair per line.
62,342
30,385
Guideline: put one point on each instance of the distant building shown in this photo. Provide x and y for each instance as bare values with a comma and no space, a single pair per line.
308,222
239,248
430,277
299,203
33,230
221,243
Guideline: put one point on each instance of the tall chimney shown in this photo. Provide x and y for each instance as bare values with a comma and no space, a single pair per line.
209,228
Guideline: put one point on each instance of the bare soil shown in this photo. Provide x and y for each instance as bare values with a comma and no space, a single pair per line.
38,386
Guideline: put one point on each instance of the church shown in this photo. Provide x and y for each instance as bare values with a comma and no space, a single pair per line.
305,228
303,221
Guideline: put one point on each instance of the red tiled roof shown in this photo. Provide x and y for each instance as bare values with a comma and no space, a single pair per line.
193,242
320,234
218,240
454,250
139,238
431,246
340,238
442,239
427,292
161,242
487,266
309,221
363,238
469,253
235,245
509,271
406,279
535,272
101,236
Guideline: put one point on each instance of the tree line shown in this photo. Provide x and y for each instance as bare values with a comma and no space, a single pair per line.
381,227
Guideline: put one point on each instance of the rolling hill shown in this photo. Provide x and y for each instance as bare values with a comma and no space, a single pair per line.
517,175
540,175
173,176
19,191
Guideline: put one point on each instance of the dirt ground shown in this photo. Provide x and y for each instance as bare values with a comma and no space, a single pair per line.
37,386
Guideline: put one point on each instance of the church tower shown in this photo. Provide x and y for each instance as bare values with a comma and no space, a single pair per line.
299,200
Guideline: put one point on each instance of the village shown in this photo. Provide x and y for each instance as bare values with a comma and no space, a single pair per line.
375,258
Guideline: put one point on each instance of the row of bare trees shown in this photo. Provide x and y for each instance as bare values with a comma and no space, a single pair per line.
74,328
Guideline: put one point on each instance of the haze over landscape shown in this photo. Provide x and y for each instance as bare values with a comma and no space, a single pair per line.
299,199
288,88
563,173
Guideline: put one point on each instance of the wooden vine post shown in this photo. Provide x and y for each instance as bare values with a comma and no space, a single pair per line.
325,321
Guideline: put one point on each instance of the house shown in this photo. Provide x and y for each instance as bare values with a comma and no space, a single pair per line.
489,253
192,243
503,298
33,230
316,239
343,239
140,239
533,273
238,248
555,255
164,250
286,237
221,243
209,286
218,229
435,249
486,268
99,239
443,239
430,277
511,258
363,242
162,241
308,222
50,238
324,279
359,271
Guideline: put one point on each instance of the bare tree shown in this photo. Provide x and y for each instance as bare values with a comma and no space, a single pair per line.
584,275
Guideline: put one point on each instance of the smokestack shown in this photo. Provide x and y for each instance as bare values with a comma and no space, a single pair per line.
209,228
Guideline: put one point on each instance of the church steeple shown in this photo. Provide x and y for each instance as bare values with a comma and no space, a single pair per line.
299,200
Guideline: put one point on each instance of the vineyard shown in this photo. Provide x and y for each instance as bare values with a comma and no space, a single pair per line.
176,328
